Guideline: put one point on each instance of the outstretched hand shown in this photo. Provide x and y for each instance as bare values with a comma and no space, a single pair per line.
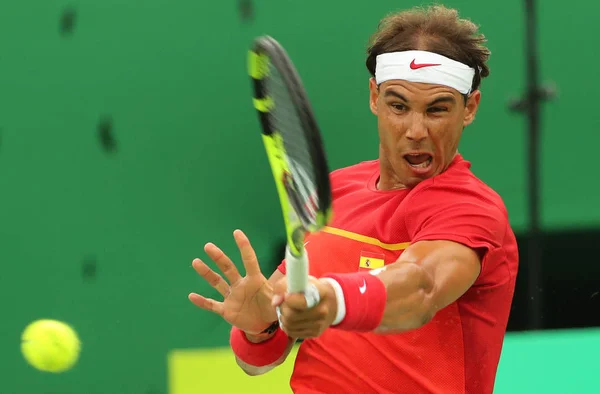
246,299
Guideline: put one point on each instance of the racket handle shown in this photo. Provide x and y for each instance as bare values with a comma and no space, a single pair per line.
296,271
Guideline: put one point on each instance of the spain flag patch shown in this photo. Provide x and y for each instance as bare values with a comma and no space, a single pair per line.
371,260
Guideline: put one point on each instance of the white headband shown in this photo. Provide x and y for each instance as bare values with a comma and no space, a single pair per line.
425,67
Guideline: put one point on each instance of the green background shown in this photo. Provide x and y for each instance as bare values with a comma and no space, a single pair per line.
190,167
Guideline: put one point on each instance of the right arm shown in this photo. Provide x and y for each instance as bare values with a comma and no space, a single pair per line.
255,371
251,369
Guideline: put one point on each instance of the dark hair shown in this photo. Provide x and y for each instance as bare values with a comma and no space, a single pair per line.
435,29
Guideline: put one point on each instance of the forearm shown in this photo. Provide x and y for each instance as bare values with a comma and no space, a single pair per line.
396,299
405,295
255,371
428,277
409,298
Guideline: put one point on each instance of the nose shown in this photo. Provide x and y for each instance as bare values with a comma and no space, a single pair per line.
417,130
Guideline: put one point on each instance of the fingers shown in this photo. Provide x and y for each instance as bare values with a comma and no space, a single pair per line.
296,302
300,319
312,296
277,300
300,301
223,262
280,287
302,325
247,251
206,303
304,333
295,310
297,307
213,279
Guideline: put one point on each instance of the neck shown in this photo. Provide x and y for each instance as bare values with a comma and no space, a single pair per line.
388,180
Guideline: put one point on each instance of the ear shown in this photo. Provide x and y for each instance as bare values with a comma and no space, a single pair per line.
471,107
373,95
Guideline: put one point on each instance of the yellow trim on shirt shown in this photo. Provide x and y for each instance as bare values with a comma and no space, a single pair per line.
365,239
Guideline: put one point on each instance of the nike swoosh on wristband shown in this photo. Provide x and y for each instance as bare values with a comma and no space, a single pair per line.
414,66
363,288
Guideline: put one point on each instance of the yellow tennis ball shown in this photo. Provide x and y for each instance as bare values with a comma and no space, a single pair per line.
50,345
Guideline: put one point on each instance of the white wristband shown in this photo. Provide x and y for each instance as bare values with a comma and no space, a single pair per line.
340,300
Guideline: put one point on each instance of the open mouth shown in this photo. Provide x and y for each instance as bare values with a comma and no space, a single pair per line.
418,160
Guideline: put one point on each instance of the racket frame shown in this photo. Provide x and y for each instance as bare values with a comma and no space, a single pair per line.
267,51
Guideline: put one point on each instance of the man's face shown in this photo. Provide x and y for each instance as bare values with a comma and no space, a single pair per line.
420,126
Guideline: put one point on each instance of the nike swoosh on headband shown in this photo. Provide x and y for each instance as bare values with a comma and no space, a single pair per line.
414,66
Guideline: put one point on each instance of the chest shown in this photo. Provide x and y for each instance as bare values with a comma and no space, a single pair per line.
368,231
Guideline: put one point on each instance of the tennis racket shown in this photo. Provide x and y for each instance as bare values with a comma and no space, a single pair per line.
296,155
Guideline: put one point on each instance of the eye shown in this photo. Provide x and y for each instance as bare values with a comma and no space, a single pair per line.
437,109
398,107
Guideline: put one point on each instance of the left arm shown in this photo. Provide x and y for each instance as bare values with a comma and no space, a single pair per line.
428,276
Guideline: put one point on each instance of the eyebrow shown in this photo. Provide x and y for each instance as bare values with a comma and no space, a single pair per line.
388,93
444,99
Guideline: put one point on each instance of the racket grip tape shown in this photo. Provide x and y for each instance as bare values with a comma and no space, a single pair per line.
296,268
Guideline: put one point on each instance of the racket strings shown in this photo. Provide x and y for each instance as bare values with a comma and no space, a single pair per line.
289,124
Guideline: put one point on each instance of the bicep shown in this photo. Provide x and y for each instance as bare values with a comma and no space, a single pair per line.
453,268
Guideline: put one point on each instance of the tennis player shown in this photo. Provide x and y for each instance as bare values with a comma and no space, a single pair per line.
417,271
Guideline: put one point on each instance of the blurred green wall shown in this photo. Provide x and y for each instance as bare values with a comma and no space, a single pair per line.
104,239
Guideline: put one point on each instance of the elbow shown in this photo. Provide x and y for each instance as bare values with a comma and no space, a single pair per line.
251,370
249,373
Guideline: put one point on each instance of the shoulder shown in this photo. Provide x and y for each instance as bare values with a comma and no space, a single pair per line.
457,205
355,173
355,169
458,185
